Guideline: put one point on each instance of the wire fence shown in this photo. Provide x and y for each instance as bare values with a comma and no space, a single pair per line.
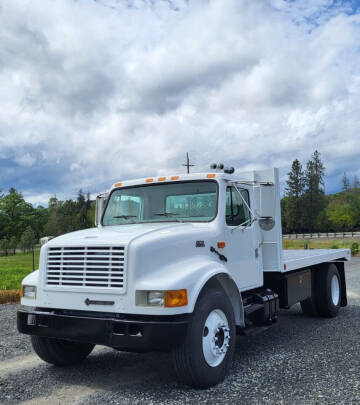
324,235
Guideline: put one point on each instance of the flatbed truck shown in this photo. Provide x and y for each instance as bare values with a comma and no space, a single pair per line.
180,263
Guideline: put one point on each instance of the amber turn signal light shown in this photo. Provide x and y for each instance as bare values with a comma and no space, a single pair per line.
221,245
176,298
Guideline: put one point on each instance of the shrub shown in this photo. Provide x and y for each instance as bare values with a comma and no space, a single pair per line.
334,247
354,248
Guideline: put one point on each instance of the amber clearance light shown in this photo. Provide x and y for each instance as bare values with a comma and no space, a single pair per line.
176,298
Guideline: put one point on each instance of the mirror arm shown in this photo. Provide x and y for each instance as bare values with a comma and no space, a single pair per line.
246,204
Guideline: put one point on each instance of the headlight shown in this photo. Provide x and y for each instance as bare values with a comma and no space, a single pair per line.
155,298
29,291
168,298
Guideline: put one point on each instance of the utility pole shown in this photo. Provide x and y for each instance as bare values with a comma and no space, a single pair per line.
187,164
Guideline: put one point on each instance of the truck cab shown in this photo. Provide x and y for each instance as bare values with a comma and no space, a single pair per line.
180,263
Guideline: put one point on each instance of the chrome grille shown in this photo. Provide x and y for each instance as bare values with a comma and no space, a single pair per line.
86,266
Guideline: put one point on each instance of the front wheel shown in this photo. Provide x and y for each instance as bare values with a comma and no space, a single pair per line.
204,358
60,352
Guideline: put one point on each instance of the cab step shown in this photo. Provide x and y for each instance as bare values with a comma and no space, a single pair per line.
261,307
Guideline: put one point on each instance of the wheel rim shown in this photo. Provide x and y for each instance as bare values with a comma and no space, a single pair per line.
335,290
216,337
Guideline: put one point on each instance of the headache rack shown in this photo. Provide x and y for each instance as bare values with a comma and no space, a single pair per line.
86,266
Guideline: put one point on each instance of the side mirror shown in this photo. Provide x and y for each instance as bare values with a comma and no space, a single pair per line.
99,207
266,223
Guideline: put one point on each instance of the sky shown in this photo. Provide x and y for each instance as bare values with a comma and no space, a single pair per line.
95,92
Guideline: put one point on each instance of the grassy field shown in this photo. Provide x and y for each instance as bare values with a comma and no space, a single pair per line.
319,243
14,268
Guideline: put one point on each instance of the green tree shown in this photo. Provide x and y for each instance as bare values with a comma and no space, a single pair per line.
4,246
294,192
15,214
314,196
52,226
341,214
83,205
28,239
13,242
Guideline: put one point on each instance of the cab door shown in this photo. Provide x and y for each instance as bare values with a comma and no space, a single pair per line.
242,246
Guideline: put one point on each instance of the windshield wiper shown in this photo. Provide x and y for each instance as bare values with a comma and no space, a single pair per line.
125,216
166,214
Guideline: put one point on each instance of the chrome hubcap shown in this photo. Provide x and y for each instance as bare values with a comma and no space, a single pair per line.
335,290
216,337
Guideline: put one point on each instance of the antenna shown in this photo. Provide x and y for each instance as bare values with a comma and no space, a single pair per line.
187,164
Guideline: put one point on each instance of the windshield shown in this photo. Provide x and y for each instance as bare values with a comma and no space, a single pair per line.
192,201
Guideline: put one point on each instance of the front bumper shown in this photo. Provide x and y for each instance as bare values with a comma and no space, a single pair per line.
133,333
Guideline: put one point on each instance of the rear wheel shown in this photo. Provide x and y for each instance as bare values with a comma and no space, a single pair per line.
205,356
328,291
60,352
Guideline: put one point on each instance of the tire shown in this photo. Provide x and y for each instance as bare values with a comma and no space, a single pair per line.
60,352
197,362
328,291
309,307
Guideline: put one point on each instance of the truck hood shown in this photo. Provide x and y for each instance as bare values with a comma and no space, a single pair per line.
122,234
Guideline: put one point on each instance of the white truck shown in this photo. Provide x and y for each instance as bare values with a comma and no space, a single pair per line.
179,263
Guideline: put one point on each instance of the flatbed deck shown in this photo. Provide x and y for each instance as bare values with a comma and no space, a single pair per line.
296,259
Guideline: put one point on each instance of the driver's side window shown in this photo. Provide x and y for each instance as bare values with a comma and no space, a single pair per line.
236,211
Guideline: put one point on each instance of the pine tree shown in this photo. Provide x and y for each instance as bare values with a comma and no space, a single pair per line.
356,182
314,189
345,183
294,192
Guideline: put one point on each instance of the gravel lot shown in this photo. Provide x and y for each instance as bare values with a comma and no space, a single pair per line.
298,361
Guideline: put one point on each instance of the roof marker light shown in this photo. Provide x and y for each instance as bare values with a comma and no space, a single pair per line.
161,178
117,184
149,180
211,175
174,177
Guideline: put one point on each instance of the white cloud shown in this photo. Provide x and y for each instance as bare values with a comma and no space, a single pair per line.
107,90
25,160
